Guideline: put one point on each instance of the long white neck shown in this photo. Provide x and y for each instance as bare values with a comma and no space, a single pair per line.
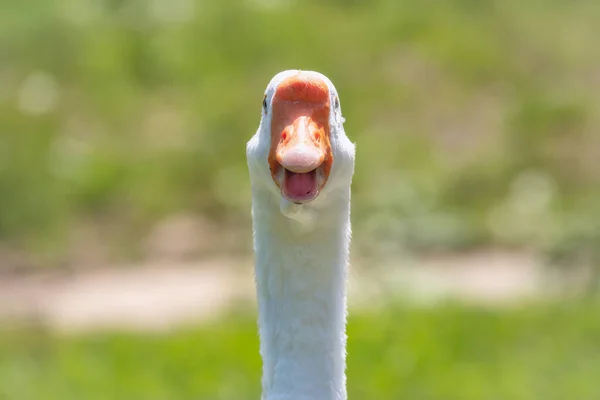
301,288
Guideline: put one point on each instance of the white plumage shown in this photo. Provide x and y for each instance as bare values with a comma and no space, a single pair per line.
301,221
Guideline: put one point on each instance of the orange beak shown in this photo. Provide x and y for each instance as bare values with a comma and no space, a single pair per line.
300,137
299,148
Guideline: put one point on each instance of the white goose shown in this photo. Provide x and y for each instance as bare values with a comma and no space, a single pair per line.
301,166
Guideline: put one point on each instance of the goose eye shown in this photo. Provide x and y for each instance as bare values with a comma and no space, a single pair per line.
264,103
336,102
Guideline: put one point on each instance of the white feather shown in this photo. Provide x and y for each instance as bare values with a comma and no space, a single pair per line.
301,261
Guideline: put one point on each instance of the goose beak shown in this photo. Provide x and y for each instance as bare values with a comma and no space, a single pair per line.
300,157
300,154
300,149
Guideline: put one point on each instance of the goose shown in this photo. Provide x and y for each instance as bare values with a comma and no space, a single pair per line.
301,165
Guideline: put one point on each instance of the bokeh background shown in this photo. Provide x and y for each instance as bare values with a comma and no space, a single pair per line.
125,238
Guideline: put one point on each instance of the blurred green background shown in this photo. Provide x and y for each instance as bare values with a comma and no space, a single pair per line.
476,123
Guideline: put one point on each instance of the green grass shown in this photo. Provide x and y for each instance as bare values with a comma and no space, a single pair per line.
449,353
452,105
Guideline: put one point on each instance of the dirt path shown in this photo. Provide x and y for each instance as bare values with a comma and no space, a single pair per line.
160,296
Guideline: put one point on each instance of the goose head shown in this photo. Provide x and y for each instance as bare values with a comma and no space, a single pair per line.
300,155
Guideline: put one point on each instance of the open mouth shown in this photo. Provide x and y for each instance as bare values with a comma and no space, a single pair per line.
300,156
300,187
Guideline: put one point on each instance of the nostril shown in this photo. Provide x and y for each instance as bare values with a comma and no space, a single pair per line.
318,137
283,135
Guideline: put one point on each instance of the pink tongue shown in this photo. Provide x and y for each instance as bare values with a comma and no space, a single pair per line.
300,186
